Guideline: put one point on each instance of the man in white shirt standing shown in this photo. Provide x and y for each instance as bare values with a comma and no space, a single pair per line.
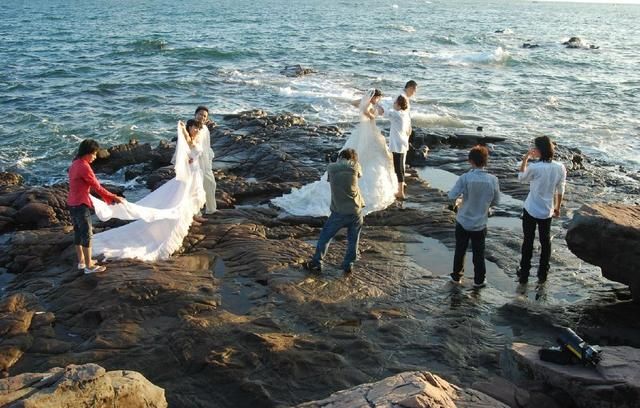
399,133
547,179
410,89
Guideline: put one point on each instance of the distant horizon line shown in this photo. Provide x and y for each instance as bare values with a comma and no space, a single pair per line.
637,2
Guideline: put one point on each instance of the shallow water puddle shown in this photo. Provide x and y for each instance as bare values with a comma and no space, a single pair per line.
235,295
434,256
5,280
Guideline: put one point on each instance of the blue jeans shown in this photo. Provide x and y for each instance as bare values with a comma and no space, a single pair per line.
353,223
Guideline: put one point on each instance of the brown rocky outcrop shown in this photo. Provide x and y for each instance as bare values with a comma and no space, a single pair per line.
418,389
613,383
34,207
87,385
608,235
10,179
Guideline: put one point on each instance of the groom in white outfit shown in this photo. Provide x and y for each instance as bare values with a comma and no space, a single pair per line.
206,159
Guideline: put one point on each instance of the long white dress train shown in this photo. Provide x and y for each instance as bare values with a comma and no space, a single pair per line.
378,184
163,216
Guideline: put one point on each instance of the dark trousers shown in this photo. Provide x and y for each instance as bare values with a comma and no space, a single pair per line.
529,230
82,229
477,246
398,166
353,223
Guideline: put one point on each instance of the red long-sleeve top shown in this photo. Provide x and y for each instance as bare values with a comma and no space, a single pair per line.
81,181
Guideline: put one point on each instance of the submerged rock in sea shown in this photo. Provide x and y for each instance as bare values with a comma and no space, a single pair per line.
608,235
614,382
295,70
411,389
81,386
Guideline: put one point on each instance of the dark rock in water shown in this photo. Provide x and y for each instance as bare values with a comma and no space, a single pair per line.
530,45
576,42
159,177
119,156
410,389
296,70
614,382
608,235
500,31
81,386
10,179
573,42
577,162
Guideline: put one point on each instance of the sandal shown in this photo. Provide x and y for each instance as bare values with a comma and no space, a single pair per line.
95,268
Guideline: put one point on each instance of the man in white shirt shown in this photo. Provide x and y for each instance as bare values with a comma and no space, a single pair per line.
399,133
547,179
410,89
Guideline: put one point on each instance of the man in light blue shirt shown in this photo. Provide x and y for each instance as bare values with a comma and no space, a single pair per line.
479,190
546,180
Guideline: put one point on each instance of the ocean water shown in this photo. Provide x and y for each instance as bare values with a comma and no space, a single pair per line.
114,70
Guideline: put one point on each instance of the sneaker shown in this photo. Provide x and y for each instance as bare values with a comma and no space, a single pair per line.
95,268
454,280
81,265
480,285
312,266
348,269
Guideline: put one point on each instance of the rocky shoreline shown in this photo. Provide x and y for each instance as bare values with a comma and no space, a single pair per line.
233,320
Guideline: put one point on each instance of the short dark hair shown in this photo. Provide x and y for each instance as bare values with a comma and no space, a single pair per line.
87,146
411,84
348,154
192,123
201,107
545,147
402,101
479,155
376,92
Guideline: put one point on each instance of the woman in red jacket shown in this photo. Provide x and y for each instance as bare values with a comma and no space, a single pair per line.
81,181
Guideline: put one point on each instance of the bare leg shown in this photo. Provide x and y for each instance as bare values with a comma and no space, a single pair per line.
87,256
80,254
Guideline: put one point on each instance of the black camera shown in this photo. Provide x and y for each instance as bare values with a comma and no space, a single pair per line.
572,349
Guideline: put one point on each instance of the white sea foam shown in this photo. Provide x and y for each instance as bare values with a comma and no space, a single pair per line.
395,6
420,119
499,56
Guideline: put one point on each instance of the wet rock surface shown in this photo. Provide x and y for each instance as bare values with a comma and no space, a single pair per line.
233,317
608,235
81,386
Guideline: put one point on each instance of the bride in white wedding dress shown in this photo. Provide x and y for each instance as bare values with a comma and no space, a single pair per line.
164,216
378,184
